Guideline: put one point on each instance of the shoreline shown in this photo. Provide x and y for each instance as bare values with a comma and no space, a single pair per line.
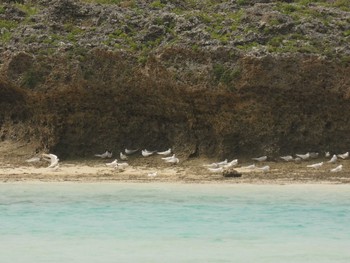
13,168
280,174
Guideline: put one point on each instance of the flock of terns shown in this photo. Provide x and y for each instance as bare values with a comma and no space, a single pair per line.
145,153
218,167
54,160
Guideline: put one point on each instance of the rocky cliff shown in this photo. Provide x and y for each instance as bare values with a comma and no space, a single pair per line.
213,78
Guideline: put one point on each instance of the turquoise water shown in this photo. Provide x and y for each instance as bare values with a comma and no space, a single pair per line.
59,222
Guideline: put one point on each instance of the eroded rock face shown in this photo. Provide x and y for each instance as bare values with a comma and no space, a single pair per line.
118,83
277,105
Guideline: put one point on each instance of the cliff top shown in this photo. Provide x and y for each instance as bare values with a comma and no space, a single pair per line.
258,27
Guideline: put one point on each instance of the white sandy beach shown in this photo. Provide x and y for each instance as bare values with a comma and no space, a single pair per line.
13,168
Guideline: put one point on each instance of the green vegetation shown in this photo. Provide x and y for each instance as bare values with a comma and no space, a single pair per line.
305,7
29,9
73,32
299,11
342,4
345,60
5,37
122,3
30,39
241,2
248,46
224,74
280,44
274,31
53,39
31,78
124,40
109,2
215,23
8,24
346,33
157,4
287,8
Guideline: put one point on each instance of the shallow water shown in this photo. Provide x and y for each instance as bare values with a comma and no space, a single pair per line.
53,222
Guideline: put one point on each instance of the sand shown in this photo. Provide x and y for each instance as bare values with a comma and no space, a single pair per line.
13,168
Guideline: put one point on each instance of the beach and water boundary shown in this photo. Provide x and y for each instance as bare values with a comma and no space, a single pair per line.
13,168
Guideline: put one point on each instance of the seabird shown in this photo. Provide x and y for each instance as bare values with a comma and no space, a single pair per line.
252,166
106,154
337,169
168,158
53,159
316,165
121,166
172,160
167,152
260,159
230,164
128,152
304,156
287,158
222,163
123,156
333,159
212,165
216,165
113,164
264,168
154,174
344,155
146,153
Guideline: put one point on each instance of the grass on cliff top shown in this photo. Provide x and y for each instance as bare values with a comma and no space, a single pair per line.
225,27
207,4
299,5
123,3
29,9
8,24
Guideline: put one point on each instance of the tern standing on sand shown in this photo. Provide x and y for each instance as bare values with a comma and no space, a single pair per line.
333,159
344,155
316,165
260,159
106,154
304,156
53,159
146,153
172,160
287,158
128,151
167,152
337,169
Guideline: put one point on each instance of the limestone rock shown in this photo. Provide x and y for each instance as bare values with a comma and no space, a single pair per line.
231,173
